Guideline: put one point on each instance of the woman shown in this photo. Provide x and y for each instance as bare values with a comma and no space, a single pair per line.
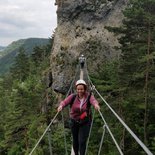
80,115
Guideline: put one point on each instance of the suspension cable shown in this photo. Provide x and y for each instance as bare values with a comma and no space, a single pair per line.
93,111
62,115
92,86
123,123
91,126
44,133
73,81
65,141
53,121
104,129
106,125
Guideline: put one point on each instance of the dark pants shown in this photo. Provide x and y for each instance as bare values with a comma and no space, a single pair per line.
80,134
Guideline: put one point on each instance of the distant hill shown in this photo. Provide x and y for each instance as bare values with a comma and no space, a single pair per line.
9,53
2,48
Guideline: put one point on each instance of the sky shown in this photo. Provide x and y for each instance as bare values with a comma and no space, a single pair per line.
20,19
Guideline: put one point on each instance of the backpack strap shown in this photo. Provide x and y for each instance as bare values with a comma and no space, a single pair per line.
88,100
88,103
72,100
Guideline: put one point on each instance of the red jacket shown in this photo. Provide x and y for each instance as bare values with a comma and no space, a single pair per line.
76,111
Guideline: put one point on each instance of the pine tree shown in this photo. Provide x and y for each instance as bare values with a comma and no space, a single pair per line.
20,68
137,70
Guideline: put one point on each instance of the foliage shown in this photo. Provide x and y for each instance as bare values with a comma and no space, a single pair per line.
22,98
11,51
135,95
127,84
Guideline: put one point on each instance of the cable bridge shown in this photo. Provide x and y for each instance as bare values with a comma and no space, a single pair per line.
83,74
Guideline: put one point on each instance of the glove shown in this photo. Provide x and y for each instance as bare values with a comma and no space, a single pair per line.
83,115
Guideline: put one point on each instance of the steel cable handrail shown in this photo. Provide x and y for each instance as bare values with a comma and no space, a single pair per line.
93,111
73,81
104,129
65,141
44,133
113,138
53,121
123,123
91,126
106,125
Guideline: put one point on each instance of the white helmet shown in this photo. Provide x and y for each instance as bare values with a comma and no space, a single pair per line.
80,82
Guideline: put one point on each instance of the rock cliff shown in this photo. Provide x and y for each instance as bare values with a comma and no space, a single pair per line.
81,30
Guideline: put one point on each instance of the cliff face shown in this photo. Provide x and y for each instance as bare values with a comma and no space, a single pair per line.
81,30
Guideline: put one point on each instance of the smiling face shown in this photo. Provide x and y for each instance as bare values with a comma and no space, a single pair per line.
81,89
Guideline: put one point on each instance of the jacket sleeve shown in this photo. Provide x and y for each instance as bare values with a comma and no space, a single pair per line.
93,101
66,101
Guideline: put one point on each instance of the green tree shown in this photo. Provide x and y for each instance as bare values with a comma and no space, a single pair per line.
23,96
137,70
20,68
